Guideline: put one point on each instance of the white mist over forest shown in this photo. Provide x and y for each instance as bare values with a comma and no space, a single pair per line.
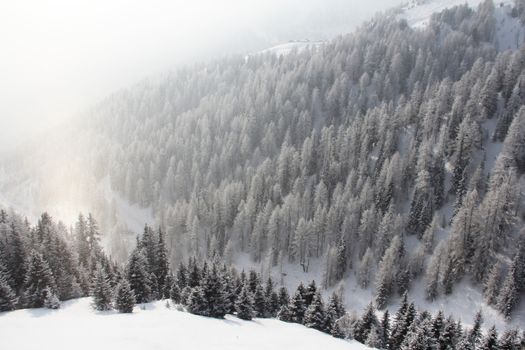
60,57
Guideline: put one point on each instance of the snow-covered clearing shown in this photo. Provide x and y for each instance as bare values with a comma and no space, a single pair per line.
77,326
418,12
286,48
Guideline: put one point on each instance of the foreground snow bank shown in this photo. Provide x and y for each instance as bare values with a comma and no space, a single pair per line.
77,326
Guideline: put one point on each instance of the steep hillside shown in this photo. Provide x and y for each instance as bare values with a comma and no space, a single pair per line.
393,157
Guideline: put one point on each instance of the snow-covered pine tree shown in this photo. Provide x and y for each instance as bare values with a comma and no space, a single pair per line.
197,303
374,338
244,304
125,298
181,277
363,274
334,310
284,297
447,337
297,305
384,329
310,292
315,315
259,302
38,279
474,336
365,324
509,294
404,318
284,314
433,273
510,340
51,300
421,210
492,285
162,269
138,276
418,336
490,341
175,294
8,298
17,263
101,291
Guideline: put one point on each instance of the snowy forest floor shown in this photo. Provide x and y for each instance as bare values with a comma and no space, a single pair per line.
155,327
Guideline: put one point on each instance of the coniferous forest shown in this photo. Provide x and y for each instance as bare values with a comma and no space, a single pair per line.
392,155
48,263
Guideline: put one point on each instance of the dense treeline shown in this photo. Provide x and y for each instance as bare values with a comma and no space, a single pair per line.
341,154
43,264
59,264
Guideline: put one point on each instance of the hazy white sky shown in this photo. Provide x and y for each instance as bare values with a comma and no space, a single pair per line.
58,57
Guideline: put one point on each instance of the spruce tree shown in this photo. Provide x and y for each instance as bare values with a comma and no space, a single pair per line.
315,316
138,276
51,300
259,302
491,340
161,268
284,297
337,331
175,293
509,294
284,314
8,299
474,336
365,324
197,304
334,311
38,279
18,259
101,291
385,329
297,305
181,277
510,340
446,340
374,338
404,318
125,298
213,291
310,292
244,304
492,285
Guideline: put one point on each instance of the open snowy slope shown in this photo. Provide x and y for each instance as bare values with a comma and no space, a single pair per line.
286,48
77,326
418,12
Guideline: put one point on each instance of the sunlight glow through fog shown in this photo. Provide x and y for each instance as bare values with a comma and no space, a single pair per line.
59,56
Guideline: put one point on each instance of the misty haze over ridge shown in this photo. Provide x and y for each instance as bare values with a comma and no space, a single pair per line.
61,58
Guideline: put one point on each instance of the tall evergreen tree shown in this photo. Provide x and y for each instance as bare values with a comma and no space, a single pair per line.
315,315
39,278
8,298
125,298
297,305
101,291
244,304
138,276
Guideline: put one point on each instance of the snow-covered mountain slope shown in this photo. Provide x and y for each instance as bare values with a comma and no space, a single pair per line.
418,12
286,48
77,326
